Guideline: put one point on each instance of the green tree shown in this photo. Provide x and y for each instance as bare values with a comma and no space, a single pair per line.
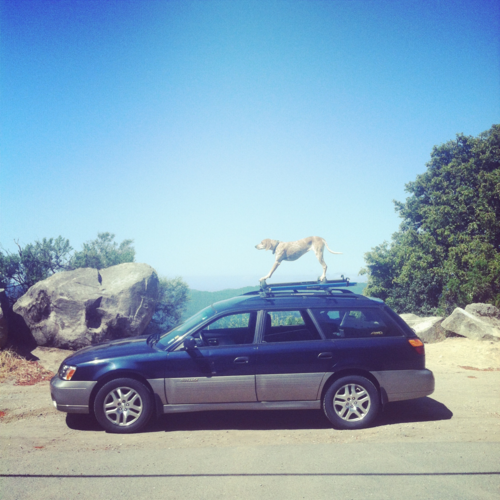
103,252
37,261
172,301
447,250
32,263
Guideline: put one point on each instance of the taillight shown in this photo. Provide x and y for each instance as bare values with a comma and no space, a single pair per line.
418,345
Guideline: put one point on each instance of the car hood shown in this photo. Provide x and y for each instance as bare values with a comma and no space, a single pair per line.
114,349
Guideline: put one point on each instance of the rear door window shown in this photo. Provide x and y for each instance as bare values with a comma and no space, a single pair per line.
355,323
289,326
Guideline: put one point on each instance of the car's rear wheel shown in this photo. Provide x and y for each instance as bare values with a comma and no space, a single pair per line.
351,402
123,405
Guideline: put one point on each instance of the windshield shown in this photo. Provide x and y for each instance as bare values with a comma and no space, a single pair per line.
167,338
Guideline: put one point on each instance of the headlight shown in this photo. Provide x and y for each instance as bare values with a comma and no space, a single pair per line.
66,372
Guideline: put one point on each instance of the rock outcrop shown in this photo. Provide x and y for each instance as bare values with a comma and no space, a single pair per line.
4,335
74,309
427,328
477,322
485,310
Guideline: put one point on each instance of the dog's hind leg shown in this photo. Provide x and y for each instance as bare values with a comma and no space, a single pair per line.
319,256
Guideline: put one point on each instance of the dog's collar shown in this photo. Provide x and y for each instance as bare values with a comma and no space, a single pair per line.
276,246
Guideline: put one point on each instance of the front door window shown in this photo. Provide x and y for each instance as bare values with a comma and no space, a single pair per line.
233,329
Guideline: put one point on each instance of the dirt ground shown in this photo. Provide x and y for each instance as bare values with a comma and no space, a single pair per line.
465,407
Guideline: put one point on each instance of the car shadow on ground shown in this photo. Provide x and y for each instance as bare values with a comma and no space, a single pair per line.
82,422
242,420
415,410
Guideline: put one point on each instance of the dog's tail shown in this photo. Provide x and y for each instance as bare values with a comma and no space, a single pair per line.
326,244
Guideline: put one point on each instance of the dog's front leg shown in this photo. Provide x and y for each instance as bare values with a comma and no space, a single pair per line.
275,266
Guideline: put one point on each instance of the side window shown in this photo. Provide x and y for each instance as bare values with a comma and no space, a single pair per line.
329,321
289,326
231,321
354,323
229,330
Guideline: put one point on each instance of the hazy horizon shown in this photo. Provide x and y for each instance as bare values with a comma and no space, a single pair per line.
216,283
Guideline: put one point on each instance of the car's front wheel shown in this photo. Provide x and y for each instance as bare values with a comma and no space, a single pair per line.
123,405
351,402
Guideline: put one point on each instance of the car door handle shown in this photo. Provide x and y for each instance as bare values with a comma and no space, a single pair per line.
325,355
241,360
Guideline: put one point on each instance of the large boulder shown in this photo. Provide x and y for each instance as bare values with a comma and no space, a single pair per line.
408,318
427,328
74,309
486,310
477,322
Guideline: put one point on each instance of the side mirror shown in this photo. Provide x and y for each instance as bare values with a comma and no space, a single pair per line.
190,344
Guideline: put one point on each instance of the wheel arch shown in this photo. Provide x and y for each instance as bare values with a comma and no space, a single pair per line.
355,371
115,374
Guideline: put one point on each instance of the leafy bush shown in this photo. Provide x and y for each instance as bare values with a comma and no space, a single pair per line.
172,301
103,252
33,263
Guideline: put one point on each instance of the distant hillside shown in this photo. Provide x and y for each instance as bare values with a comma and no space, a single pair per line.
199,300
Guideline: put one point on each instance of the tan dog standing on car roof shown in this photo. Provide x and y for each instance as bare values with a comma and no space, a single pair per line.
292,250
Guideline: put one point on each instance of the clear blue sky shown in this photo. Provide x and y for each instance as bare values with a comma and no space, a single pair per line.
198,128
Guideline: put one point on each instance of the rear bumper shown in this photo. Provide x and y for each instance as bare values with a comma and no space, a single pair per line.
405,384
69,396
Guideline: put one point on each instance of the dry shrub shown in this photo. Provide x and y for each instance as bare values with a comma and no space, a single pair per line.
14,366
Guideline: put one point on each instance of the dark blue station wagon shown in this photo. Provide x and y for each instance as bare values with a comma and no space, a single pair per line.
286,347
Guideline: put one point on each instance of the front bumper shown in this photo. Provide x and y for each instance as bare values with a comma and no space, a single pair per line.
71,396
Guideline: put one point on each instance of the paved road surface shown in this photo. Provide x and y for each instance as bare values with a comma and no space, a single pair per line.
345,471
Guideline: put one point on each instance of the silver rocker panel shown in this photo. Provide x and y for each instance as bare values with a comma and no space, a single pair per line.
263,405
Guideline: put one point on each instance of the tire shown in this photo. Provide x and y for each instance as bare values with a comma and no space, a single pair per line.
123,405
351,402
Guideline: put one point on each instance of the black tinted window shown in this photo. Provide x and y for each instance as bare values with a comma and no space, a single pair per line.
354,323
289,326
228,330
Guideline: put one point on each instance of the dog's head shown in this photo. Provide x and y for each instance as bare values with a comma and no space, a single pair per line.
267,244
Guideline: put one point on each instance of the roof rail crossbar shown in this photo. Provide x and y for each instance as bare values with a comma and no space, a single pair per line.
343,282
326,287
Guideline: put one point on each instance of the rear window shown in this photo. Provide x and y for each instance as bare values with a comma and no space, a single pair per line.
400,322
355,323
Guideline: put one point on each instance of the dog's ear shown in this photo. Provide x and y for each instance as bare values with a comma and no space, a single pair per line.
267,244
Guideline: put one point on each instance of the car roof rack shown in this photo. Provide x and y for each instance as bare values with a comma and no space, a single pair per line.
326,287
